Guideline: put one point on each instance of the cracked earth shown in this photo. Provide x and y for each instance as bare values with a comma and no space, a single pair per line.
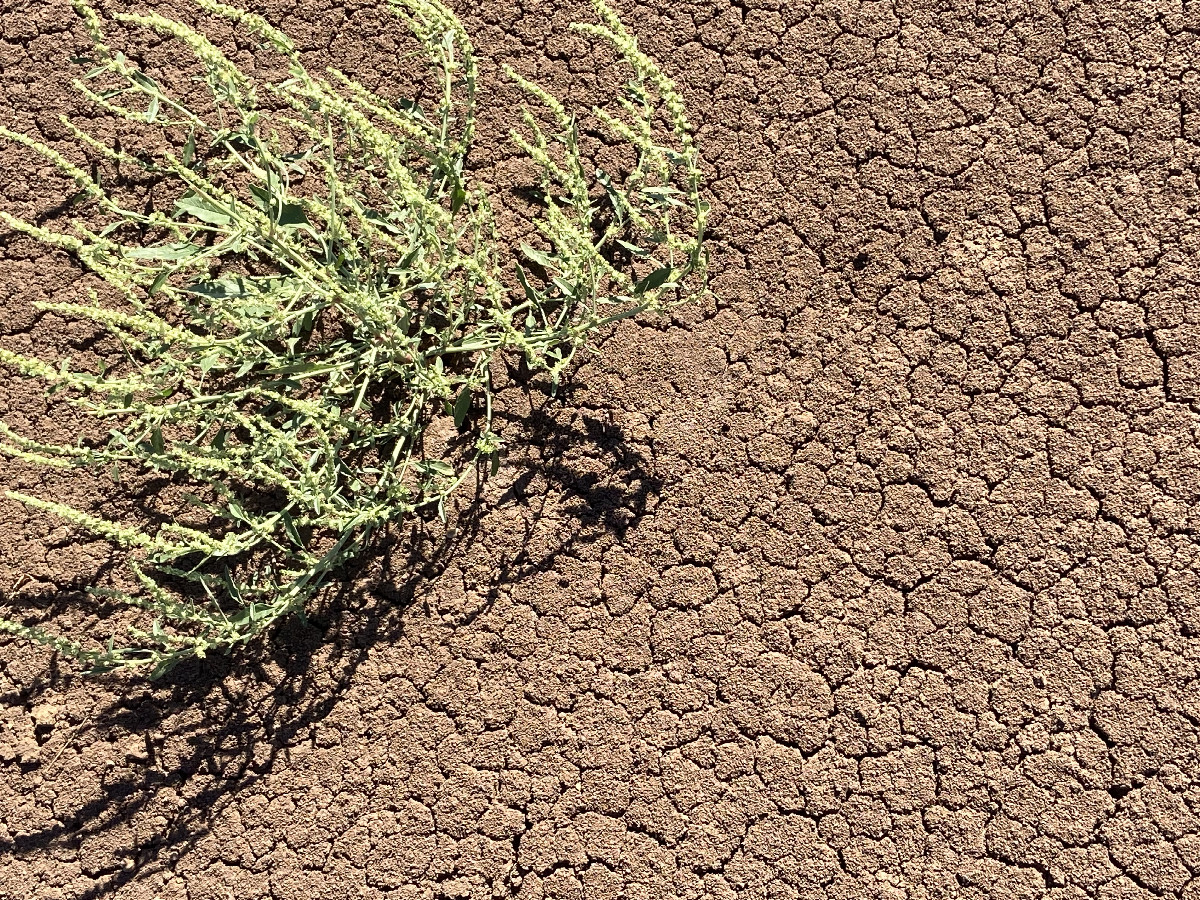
877,578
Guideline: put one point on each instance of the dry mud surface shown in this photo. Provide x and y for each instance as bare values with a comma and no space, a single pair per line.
877,578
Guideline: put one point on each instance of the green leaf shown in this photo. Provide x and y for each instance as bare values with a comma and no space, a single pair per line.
545,260
289,525
284,214
411,107
242,286
142,80
189,149
192,204
435,467
532,295
568,289
159,280
615,197
292,215
220,289
661,195
654,280
462,407
262,198
376,219
251,614
164,252
234,510
299,368
304,324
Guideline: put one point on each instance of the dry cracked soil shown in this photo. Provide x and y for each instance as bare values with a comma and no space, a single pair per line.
876,577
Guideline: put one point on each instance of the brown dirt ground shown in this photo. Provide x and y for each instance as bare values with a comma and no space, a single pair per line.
878,578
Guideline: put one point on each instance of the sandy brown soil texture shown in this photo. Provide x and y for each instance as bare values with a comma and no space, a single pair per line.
877,579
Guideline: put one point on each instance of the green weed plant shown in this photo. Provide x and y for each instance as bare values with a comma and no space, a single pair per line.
327,281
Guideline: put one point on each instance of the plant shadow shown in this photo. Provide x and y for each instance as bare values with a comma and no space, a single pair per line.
579,462
220,724
211,729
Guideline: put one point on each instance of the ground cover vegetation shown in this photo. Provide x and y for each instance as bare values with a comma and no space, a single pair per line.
325,282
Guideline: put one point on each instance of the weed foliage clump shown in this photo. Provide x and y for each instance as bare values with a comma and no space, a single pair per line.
325,281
